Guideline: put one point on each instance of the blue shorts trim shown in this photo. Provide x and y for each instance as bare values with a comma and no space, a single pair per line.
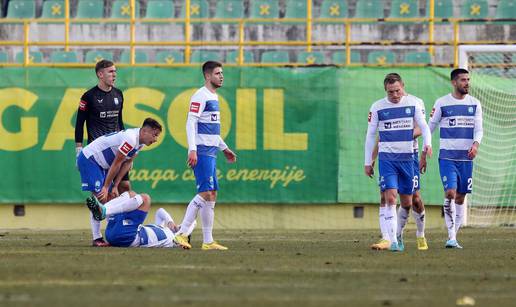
417,181
456,175
92,175
122,228
397,175
206,173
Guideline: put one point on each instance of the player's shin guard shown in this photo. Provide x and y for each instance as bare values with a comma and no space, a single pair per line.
191,213
449,217
420,223
403,215
391,222
207,217
383,226
459,215
95,228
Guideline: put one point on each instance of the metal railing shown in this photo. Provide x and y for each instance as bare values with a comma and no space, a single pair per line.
241,43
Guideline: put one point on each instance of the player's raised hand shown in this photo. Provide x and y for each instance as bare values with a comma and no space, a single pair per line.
472,152
230,155
192,159
369,171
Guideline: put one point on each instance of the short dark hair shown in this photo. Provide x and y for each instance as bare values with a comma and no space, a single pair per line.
103,64
456,72
152,123
391,78
209,66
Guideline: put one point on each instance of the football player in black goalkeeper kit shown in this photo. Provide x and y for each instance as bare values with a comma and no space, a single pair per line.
101,109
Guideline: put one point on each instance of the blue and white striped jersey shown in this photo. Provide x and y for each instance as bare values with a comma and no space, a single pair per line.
155,236
395,123
205,113
104,148
460,123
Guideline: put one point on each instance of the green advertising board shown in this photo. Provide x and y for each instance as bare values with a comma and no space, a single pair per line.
282,123
298,132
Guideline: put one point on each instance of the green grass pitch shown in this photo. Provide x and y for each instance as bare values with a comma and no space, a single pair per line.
262,268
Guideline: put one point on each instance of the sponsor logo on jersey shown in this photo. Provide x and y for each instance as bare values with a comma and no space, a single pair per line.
116,100
387,125
83,105
100,100
369,117
126,148
127,222
102,114
213,117
452,122
195,107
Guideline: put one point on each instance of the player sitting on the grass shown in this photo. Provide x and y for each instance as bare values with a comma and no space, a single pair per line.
125,225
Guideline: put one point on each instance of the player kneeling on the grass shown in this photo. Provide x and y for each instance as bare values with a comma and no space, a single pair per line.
126,215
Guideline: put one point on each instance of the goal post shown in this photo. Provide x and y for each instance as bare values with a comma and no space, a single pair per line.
493,81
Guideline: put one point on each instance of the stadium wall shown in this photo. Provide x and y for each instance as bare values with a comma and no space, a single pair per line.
228,216
298,132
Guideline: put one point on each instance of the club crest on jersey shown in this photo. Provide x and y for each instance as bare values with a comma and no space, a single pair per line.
214,117
194,107
369,117
470,110
126,148
102,114
432,113
116,100
452,122
407,110
387,125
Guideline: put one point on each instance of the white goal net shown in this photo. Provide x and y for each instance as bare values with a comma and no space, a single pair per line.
493,81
